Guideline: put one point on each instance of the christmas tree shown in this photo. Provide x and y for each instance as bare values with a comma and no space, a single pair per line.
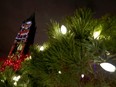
73,56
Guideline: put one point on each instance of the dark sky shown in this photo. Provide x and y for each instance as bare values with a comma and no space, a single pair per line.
13,12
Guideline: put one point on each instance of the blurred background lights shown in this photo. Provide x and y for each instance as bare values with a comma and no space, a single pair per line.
41,48
108,67
29,22
15,83
96,34
82,75
16,78
63,29
59,72
2,80
107,53
28,58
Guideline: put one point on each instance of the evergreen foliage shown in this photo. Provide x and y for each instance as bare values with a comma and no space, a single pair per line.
76,52
67,56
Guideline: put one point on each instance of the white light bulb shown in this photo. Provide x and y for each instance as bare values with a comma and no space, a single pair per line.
82,75
108,67
29,22
16,78
96,34
59,72
15,83
41,48
63,29
30,57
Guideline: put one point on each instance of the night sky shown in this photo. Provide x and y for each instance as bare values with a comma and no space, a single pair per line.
13,12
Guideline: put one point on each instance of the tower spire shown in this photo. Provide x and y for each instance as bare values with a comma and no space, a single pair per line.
20,48
24,38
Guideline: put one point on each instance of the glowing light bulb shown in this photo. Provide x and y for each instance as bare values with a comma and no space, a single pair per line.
16,78
41,48
59,72
108,67
29,22
30,57
82,75
63,29
96,34
15,83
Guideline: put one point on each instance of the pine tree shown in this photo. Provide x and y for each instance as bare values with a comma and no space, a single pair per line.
68,56
72,55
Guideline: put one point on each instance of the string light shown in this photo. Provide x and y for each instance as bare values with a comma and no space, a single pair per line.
15,83
59,72
108,67
16,78
97,32
82,75
28,58
41,48
63,29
